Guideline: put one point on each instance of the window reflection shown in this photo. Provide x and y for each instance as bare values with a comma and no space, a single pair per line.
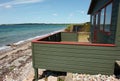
96,19
92,20
102,19
108,18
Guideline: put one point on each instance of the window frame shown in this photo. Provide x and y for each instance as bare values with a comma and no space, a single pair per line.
99,18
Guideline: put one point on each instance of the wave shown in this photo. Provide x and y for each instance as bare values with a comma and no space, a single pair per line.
41,36
5,48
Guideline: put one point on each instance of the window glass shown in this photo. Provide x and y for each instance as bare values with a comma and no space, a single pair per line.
96,20
102,19
92,19
108,18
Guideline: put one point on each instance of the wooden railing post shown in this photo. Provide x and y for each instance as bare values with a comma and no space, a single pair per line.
36,74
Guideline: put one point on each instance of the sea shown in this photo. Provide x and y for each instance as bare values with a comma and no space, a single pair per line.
19,33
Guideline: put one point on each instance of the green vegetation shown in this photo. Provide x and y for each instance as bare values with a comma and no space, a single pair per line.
69,28
12,68
59,79
85,27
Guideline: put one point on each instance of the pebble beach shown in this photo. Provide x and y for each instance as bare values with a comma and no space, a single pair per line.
16,65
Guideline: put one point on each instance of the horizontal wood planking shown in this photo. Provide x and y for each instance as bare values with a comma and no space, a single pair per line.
69,36
80,50
74,68
99,58
114,27
85,63
80,56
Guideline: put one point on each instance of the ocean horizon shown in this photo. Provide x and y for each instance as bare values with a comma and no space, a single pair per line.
18,33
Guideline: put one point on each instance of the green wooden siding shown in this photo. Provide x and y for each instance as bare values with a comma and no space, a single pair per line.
118,28
114,26
75,58
69,36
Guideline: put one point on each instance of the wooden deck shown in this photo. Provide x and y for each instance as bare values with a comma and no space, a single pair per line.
74,56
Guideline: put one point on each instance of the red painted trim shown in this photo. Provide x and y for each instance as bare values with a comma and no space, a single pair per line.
38,41
74,43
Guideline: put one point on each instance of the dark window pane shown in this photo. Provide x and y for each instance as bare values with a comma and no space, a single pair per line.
108,18
94,21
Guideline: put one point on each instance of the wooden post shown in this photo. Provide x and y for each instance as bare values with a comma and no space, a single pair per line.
46,78
36,74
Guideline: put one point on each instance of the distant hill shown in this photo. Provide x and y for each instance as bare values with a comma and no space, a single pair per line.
36,24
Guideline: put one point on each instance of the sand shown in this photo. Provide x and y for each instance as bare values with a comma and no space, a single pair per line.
14,61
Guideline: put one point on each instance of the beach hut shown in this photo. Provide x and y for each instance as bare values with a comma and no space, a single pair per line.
55,52
104,20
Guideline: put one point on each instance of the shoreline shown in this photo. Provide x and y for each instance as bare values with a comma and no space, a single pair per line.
11,46
13,60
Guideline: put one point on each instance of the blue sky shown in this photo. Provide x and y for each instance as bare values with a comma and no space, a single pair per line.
44,11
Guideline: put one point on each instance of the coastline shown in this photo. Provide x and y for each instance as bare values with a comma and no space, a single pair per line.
16,58
11,46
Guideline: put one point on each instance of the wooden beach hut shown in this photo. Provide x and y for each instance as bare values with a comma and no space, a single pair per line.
58,53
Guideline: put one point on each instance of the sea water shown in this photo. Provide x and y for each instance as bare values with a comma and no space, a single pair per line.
19,33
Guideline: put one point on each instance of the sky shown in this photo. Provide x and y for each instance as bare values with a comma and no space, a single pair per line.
44,11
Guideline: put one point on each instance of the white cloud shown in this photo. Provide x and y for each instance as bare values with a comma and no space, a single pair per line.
8,6
55,14
18,2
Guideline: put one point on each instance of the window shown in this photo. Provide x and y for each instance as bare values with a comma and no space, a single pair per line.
102,19
92,20
101,23
108,18
96,20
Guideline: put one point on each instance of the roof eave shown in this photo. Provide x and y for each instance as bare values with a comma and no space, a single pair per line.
92,4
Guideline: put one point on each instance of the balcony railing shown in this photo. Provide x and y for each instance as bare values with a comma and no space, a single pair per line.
63,52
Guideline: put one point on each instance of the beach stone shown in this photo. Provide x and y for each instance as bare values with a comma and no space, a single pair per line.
70,77
52,78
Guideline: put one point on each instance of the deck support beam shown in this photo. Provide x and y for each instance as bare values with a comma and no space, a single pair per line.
117,68
36,74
